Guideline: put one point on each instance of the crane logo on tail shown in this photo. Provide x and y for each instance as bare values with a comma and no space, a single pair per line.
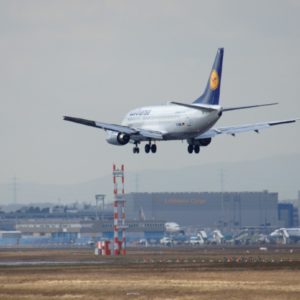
214,80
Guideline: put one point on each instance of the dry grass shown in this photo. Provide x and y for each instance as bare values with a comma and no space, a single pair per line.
98,283
157,278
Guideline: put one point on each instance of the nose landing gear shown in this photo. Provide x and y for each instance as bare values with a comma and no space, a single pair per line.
148,148
136,150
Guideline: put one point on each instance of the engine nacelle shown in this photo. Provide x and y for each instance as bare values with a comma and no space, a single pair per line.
117,138
205,142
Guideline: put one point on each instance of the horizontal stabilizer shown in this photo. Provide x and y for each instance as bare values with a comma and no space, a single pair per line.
208,108
233,130
249,106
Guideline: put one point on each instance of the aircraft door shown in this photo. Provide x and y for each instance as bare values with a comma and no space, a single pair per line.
188,122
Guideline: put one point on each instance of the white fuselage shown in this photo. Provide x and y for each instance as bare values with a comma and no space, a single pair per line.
176,122
172,227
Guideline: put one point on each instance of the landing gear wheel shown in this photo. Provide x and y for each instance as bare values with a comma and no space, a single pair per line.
147,148
136,149
196,148
190,148
153,148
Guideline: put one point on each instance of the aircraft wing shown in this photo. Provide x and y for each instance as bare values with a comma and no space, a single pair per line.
105,126
133,132
233,130
151,134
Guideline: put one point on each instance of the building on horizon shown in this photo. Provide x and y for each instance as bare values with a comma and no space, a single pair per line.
288,215
207,209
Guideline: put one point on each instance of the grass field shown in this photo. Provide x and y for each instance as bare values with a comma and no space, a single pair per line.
152,274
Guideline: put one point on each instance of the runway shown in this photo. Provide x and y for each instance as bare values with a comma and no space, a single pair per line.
48,263
151,273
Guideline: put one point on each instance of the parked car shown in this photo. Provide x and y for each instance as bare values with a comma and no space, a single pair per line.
195,241
166,241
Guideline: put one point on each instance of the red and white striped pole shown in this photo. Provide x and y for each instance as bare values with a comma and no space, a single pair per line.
123,214
119,204
116,215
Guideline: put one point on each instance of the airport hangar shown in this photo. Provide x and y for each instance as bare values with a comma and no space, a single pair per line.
207,209
147,213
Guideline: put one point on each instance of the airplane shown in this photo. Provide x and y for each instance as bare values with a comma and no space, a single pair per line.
192,122
286,235
172,227
217,237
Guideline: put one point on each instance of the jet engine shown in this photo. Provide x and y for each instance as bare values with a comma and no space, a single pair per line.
117,138
205,142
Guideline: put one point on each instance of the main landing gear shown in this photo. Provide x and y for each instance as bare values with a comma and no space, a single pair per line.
148,148
193,148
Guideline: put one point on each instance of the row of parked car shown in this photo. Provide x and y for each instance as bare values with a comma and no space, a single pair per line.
216,237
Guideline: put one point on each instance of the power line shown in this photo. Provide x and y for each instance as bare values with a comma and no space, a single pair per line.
137,182
14,188
222,197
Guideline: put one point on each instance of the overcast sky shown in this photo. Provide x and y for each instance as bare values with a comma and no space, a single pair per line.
100,59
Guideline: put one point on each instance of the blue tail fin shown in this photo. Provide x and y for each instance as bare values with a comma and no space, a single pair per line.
212,91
